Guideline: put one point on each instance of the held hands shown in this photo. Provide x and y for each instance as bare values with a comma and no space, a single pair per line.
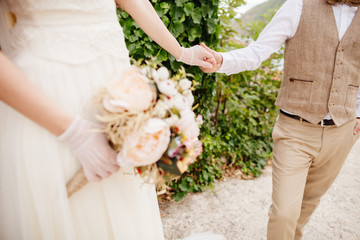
91,148
197,56
218,60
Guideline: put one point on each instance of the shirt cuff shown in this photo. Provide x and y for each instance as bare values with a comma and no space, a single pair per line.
358,110
225,66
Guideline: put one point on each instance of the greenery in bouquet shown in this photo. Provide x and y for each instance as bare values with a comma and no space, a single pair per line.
150,122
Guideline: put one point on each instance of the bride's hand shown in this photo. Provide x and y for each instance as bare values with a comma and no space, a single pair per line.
197,56
91,148
217,58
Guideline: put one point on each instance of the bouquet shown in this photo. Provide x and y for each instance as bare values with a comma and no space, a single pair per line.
148,118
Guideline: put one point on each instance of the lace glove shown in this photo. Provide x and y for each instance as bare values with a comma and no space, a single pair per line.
91,148
196,55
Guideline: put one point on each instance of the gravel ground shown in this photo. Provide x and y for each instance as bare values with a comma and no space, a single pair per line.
238,208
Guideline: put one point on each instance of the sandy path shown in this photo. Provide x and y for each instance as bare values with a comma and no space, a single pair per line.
238,208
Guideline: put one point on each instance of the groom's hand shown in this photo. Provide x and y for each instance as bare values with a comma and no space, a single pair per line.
218,60
357,127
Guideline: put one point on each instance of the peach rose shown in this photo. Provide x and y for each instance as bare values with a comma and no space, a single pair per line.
131,92
147,146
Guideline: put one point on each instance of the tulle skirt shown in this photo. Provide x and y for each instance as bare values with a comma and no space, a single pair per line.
35,167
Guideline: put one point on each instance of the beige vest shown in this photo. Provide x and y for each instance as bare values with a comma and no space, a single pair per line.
321,74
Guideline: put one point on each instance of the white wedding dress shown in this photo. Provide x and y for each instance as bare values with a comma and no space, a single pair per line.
68,48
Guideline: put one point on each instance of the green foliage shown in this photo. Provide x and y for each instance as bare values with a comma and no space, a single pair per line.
190,22
258,12
238,110
239,115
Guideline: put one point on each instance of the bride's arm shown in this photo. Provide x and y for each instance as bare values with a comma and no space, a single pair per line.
91,148
146,17
23,96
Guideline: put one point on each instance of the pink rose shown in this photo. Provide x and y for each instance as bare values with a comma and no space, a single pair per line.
197,148
131,92
147,146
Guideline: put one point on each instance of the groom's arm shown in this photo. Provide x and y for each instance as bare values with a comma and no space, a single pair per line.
283,26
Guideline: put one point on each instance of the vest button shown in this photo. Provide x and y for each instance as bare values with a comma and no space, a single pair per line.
11,19
340,49
332,104
338,62
337,77
334,90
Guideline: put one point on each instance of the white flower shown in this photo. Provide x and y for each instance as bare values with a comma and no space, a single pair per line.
185,84
189,97
161,108
163,74
167,88
154,75
172,120
168,101
199,119
179,102
146,70
187,124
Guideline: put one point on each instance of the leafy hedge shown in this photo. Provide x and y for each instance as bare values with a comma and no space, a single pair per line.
189,21
238,110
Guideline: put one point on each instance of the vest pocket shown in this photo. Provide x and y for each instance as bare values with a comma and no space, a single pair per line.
299,92
356,44
350,103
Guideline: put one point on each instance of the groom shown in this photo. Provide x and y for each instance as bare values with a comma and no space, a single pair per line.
319,102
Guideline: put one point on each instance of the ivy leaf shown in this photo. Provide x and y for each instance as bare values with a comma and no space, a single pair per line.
184,186
178,196
211,25
207,11
132,48
194,33
180,3
188,8
162,55
175,65
165,20
178,14
177,28
148,53
158,9
133,38
165,7
196,15
123,14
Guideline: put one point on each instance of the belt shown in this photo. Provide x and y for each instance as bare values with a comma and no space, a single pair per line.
325,122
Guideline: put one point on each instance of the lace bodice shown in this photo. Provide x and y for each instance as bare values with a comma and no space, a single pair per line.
69,31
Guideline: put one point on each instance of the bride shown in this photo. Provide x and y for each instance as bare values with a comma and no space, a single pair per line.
58,54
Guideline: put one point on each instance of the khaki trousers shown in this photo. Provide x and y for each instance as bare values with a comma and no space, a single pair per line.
306,160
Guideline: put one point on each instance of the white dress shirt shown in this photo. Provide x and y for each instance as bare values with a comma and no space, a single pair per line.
283,26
